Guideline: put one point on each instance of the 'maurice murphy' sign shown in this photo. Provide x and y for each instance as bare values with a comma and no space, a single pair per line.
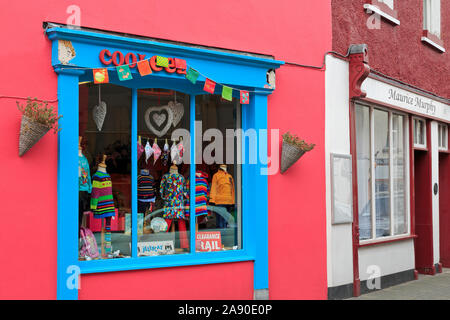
117,58
209,241
405,100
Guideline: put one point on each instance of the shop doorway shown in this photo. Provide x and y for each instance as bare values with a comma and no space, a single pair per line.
423,248
444,208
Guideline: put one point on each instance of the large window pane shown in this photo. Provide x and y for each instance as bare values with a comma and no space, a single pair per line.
163,174
104,171
398,174
218,174
362,118
382,162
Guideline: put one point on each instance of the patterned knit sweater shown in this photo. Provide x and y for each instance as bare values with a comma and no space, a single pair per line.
102,202
146,188
201,194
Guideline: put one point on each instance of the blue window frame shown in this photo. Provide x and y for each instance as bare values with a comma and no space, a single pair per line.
239,71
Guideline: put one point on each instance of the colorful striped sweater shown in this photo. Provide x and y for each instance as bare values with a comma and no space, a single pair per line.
102,202
201,194
146,187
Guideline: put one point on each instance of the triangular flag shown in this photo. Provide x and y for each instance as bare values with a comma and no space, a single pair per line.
192,75
124,72
227,93
245,98
144,68
100,75
162,61
209,86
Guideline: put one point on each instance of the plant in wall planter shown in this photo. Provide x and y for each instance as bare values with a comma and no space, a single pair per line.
37,119
293,148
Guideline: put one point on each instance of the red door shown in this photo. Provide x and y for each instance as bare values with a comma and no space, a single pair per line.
444,208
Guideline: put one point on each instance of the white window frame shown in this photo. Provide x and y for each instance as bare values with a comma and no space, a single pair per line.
373,7
443,137
374,238
432,24
424,124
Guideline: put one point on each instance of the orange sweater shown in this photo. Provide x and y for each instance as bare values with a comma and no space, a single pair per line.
222,188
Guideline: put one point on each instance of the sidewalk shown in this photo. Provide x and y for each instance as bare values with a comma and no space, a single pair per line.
425,288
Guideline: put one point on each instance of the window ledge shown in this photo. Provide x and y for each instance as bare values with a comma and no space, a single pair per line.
367,243
433,41
388,16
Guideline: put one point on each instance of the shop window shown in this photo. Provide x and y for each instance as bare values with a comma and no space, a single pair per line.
381,170
432,24
443,137
420,136
218,170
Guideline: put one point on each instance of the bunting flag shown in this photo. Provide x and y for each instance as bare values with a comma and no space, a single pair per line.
162,61
180,64
192,75
144,68
227,93
245,98
100,75
209,86
124,72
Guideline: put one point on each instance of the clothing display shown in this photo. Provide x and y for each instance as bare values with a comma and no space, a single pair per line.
140,150
156,152
83,204
148,151
175,154
146,187
201,194
84,174
102,202
222,188
221,222
173,192
165,154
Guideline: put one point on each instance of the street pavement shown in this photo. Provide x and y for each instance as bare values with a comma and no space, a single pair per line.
435,287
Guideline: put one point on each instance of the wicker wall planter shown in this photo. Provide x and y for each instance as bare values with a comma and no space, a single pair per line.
30,133
292,149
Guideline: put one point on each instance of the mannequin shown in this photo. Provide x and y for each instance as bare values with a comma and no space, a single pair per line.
173,192
102,204
222,193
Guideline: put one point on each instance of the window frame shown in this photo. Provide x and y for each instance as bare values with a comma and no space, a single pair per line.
406,145
428,36
384,10
442,136
254,184
420,146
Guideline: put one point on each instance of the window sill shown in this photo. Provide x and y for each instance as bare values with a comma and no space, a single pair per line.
433,41
166,261
370,8
367,243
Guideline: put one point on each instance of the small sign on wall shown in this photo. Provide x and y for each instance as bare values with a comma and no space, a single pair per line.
155,248
209,241
341,189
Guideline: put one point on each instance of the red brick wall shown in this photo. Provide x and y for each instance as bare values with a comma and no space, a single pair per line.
396,50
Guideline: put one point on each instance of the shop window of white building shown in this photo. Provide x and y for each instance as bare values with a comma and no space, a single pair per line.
443,137
420,136
432,24
381,147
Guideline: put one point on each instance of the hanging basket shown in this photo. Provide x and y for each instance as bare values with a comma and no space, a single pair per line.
30,133
289,155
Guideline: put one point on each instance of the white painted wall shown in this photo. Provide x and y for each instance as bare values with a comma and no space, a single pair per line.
390,257
435,198
337,140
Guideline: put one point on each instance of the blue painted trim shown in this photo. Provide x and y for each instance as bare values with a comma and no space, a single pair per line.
192,150
134,171
97,38
156,262
67,222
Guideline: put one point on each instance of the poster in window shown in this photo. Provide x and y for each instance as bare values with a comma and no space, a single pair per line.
341,189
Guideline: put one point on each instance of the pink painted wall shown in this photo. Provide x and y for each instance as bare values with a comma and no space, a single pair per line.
298,32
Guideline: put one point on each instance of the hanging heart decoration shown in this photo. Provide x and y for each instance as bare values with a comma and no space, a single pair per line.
159,119
178,112
99,114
